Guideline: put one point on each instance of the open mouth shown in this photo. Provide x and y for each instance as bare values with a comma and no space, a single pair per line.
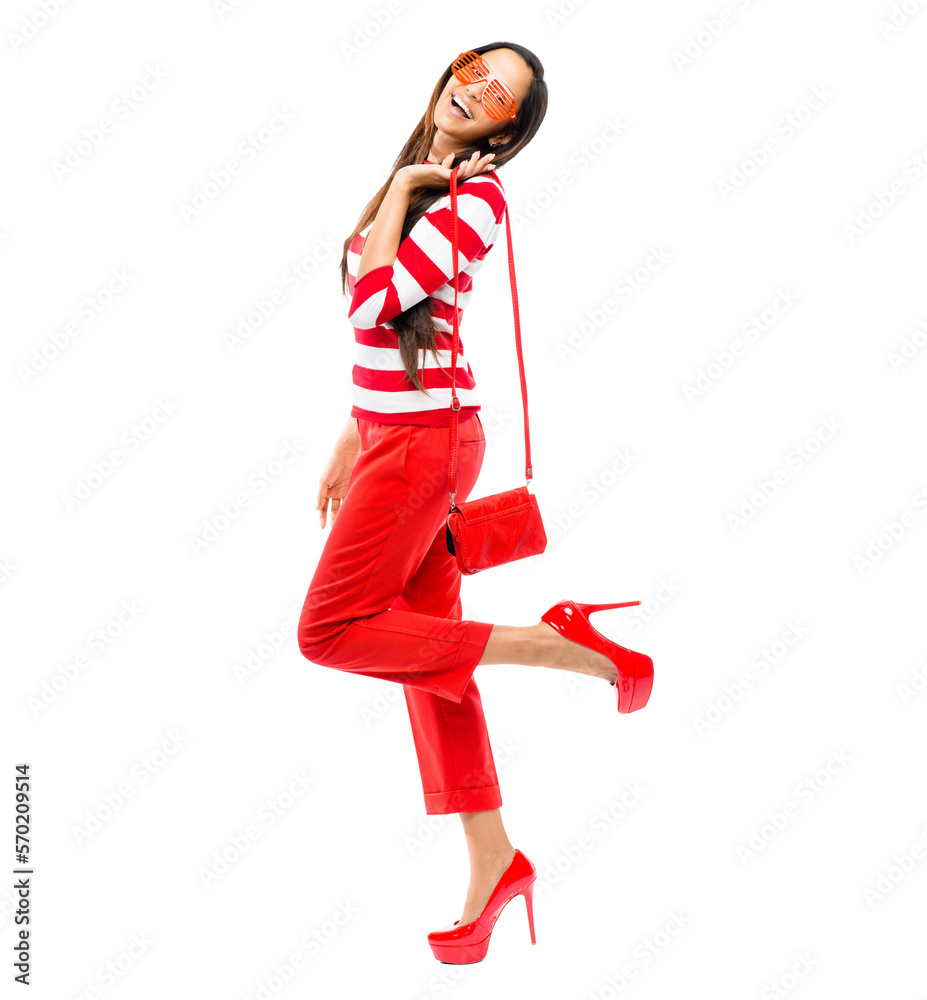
460,107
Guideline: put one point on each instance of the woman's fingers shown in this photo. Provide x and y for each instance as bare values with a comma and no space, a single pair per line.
322,508
475,164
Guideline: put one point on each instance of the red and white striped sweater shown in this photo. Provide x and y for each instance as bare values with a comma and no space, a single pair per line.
423,268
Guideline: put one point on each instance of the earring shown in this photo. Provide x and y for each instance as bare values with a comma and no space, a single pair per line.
493,145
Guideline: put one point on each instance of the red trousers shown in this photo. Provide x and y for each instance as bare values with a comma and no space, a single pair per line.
385,602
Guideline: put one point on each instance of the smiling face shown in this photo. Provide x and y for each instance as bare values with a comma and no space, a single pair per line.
459,127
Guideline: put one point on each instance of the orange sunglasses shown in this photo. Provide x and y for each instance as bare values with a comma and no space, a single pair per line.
497,100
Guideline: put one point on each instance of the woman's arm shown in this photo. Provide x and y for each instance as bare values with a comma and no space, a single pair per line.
399,274
348,442
382,242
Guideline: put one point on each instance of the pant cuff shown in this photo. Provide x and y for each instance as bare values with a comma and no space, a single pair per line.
468,656
463,800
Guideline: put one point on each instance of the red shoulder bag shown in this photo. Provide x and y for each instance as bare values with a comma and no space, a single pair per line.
505,526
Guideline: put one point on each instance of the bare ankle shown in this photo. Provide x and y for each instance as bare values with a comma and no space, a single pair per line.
491,861
564,654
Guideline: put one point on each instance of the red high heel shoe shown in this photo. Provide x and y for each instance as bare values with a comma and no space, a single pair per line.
459,944
635,670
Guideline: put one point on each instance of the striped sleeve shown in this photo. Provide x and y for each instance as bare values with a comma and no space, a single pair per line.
424,261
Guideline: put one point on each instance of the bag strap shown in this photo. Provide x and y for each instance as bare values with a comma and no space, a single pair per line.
455,402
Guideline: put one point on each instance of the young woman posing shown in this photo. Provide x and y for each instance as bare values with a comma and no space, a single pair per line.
384,601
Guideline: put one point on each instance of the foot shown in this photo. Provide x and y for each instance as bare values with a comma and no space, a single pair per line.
482,883
569,655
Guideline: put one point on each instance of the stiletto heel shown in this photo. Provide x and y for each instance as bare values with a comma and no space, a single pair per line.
635,670
603,607
528,893
459,944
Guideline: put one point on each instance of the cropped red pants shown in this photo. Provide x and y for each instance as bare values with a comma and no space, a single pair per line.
385,602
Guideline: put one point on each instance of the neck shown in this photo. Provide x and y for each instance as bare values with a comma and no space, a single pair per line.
441,146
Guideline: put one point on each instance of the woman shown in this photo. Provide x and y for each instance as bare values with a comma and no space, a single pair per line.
385,597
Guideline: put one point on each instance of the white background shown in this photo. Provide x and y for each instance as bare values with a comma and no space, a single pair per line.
784,620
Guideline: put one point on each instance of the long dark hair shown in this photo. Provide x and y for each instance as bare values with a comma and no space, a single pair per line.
415,327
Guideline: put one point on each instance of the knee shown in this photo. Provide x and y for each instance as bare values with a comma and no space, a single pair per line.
318,640
320,636
311,644
313,630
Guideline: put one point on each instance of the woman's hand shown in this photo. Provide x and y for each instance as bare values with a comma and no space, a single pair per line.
438,175
337,473
334,482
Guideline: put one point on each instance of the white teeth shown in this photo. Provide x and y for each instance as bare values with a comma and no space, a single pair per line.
460,104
